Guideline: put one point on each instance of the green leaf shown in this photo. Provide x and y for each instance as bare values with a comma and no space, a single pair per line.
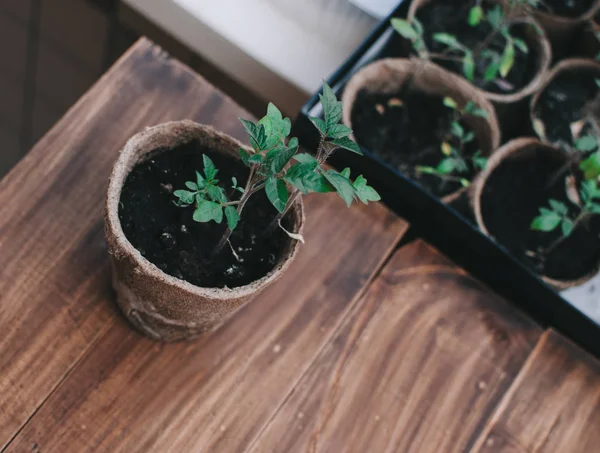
475,15
586,143
184,196
591,166
303,176
191,185
428,170
521,45
342,185
216,193
277,193
495,16
279,157
365,192
480,112
465,182
469,67
209,167
491,71
469,136
546,222
448,39
446,166
275,126
256,133
207,211
346,173
508,59
233,217
332,108
558,206
404,28
319,124
479,161
234,182
450,103
567,227
457,129
200,181
256,159
245,156
304,157
338,131
347,144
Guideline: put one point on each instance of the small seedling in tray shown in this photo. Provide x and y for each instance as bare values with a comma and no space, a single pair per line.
454,163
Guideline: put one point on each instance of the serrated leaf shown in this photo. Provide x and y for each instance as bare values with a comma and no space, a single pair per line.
332,108
347,144
232,216
207,211
216,193
256,159
586,143
450,103
338,131
305,157
365,192
279,157
475,15
558,206
319,124
277,193
191,185
469,67
256,133
304,178
245,156
276,127
209,167
342,185
404,28
184,196
546,222
508,59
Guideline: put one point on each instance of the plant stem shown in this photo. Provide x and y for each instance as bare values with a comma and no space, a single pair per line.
578,220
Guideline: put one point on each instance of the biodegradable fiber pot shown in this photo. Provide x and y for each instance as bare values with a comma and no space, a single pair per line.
159,305
506,198
389,76
538,44
589,69
561,29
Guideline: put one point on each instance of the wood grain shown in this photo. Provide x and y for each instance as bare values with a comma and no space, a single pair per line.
64,347
417,366
552,407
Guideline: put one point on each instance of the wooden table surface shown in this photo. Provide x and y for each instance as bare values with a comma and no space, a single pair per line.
361,347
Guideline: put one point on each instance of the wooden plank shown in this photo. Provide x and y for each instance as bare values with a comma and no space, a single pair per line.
104,387
552,407
55,297
417,366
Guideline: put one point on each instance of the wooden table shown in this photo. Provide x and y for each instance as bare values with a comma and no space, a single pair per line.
361,347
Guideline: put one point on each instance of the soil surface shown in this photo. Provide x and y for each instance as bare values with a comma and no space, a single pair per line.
511,200
568,99
566,8
167,236
451,17
410,135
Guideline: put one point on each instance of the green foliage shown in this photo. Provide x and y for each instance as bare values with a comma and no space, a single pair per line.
276,166
498,64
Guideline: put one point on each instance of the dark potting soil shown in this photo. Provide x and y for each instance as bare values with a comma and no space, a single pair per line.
167,236
451,17
511,200
566,8
408,136
567,99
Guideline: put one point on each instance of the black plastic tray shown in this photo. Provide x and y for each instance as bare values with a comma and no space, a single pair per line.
440,225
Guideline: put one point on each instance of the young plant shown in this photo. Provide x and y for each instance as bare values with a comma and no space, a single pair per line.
455,164
497,64
277,167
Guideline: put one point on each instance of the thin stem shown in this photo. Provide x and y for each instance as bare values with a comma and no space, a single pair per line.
578,220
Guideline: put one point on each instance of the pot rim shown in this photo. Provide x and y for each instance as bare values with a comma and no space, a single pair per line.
563,66
136,147
570,21
545,60
512,147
